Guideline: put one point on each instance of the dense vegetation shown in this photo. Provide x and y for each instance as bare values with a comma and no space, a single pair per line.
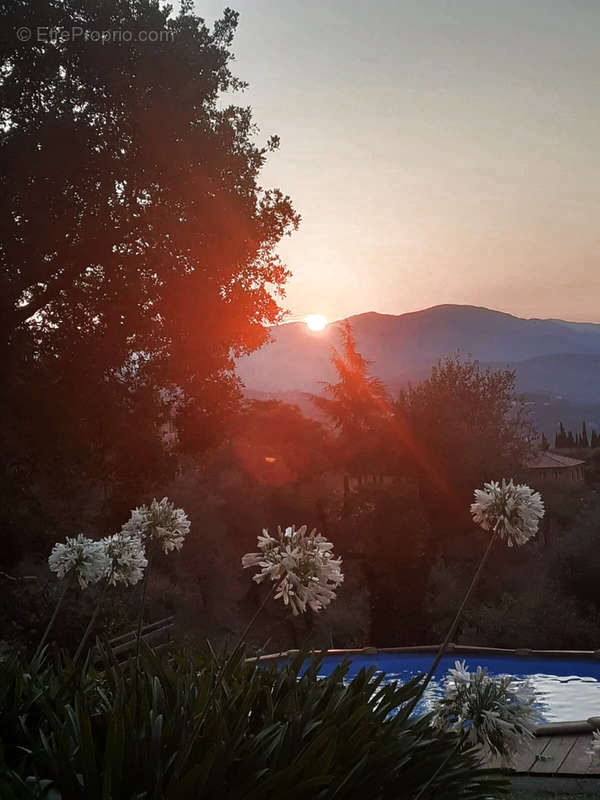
198,728
137,258
408,548
137,252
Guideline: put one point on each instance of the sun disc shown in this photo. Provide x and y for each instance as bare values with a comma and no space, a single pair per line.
315,322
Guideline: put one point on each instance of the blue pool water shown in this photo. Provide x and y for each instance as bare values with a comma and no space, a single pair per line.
565,689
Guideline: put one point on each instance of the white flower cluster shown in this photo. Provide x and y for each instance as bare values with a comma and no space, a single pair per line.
514,510
486,711
126,559
82,557
121,558
118,558
160,522
594,749
301,564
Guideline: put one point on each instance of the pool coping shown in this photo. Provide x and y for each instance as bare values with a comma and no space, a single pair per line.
433,648
546,729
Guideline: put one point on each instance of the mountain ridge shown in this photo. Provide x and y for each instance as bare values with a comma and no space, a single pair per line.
400,346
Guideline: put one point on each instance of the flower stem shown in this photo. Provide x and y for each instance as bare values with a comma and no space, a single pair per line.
184,755
425,786
454,626
142,607
62,595
90,624
250,625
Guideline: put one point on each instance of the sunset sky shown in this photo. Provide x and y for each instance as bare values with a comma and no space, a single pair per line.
439,152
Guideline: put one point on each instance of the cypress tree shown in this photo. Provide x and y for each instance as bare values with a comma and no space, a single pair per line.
584,436
559,440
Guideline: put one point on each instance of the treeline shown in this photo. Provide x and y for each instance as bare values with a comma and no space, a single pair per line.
579,439
270,465
407,541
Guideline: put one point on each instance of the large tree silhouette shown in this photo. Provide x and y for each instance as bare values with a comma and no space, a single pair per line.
136,242
467,425
374,522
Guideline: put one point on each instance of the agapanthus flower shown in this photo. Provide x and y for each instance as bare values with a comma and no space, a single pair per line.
82,557
514,510
487,711
126,559
458,675
594,749
160,522
302,566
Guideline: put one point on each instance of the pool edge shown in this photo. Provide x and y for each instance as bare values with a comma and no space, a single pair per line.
545,729
433,648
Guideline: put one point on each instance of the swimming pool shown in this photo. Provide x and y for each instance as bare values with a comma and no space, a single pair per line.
566,687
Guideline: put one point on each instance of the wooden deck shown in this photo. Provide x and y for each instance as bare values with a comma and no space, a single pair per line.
558,762
557,755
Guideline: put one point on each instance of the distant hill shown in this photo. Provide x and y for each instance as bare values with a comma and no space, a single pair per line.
572,376
556,357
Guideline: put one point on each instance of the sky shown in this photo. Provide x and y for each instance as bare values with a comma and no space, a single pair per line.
438,152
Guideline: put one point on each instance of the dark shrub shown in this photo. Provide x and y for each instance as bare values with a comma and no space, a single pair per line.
190,728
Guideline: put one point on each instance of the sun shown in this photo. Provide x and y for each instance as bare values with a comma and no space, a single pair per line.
315,322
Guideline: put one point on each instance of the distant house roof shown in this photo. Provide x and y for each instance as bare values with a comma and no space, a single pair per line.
547,460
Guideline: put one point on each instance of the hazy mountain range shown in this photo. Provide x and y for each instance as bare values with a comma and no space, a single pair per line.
556,360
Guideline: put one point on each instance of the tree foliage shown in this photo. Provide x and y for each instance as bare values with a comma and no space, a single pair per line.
439,440
467,426
359,407
275,445
579,439
137,245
